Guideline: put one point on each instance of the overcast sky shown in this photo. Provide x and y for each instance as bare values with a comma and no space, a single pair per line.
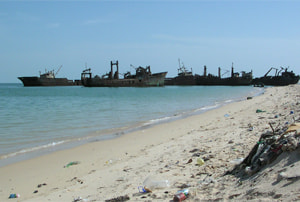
253,35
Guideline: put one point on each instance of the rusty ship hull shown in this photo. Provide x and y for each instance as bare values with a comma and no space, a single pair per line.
142,78
37,81
48,79
187,78
153,80
286,78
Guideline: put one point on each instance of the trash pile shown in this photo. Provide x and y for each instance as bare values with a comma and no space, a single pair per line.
270,145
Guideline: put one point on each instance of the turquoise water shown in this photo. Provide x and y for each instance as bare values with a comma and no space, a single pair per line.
37,120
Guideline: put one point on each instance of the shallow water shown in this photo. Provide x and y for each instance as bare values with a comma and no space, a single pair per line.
36,120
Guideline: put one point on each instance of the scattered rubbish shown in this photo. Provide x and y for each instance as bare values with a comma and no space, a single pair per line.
40,185
181,195
249,98
292,112
237,161
14,196
71,164
250,127
200,161
189,161
270,145
144,189
77,199
109,161
226,115
152,183
119,199
259,111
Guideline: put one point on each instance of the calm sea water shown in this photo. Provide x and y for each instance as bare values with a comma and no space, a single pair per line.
37,120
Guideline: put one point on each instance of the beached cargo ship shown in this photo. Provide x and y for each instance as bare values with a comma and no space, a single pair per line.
48,79
183,78
142,78
187,78
286,78
236,79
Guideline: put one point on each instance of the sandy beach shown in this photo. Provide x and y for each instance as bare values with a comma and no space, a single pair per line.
193,153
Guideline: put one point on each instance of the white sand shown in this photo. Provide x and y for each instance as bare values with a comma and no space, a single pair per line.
116,167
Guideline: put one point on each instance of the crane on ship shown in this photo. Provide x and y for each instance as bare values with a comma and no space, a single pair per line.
58,70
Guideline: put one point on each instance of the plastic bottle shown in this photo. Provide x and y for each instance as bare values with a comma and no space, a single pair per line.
153,183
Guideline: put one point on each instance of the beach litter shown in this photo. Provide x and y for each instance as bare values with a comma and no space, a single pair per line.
79,198
259,111
151,183
14,196
181,195
271,144
71,164
200,162
143,189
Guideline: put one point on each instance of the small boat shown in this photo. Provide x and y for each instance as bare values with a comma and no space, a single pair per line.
48,79
142,78
183,78
286,78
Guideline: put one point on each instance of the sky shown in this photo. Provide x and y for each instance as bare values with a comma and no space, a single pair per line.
253,35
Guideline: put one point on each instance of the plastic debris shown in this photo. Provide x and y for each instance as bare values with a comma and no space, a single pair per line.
71,164
14,196
270,145
259,111
143,189
200,162
152,183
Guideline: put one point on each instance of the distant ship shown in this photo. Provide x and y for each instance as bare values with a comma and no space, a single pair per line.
286,78
142,78
48,79
183,78
236,79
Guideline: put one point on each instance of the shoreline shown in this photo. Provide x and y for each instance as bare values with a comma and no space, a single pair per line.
29,153
116,167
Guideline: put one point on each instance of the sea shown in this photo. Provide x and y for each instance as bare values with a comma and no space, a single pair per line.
38,120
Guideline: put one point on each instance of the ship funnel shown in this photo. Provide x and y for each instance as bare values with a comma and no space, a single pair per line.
111,70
